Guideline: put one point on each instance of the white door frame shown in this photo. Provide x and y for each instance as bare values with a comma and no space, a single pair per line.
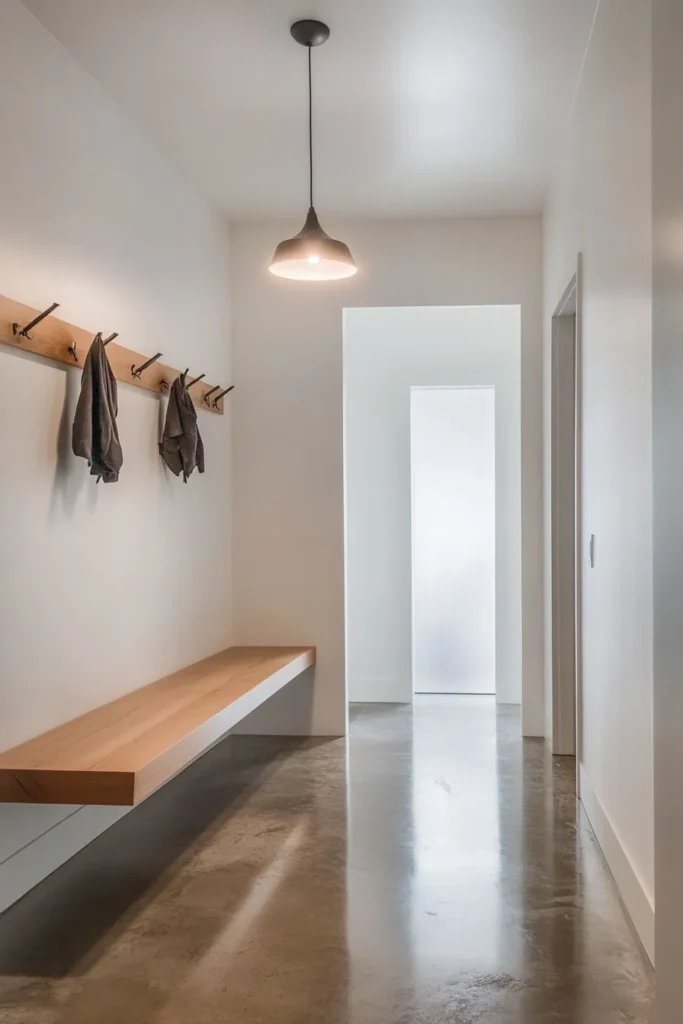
566,540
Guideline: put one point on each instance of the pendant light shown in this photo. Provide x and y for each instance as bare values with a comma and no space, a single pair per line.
312,255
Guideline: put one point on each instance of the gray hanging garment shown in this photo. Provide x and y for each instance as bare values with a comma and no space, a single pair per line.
181,446
95,436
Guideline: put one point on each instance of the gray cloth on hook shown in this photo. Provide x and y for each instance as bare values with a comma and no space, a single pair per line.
95,436
181,446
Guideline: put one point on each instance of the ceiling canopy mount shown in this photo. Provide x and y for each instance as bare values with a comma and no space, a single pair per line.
310,33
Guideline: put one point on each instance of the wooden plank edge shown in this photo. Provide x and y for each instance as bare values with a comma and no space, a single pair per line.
43,786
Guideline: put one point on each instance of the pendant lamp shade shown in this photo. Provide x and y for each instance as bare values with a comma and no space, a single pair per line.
312,255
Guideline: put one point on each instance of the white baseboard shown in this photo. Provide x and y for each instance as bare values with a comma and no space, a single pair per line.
47,852
380,691
637,900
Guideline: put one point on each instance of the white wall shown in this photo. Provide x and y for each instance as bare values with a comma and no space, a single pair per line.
287,338
385,352
453,472
600,205
667,366
104,588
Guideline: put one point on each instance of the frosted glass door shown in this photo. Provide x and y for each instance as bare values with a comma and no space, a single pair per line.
454,539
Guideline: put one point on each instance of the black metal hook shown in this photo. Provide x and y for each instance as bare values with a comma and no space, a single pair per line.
138,371
205,396
23,331
73,350
220,395
200,377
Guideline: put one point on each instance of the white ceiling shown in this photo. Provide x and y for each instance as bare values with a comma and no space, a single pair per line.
422,107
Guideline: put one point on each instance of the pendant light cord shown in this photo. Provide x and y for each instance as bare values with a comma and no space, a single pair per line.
310,130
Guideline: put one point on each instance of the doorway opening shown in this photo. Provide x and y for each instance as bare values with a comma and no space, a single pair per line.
389,355
563,703
453,474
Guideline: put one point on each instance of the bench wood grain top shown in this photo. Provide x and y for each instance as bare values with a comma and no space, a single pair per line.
120,752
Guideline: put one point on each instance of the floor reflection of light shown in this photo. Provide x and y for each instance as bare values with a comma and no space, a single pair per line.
210,972
457,842
424,865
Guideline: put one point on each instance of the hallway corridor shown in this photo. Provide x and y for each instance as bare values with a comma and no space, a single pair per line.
432,873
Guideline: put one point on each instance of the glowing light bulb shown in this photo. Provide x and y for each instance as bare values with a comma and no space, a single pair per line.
313,259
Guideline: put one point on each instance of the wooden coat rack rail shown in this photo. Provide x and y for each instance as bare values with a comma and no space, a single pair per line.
64,343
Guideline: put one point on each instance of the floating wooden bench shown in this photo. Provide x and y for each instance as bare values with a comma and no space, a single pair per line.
120,752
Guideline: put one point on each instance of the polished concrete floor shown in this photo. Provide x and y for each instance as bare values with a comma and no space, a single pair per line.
432,871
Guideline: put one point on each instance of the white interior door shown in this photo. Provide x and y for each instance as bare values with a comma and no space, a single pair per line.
454,540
